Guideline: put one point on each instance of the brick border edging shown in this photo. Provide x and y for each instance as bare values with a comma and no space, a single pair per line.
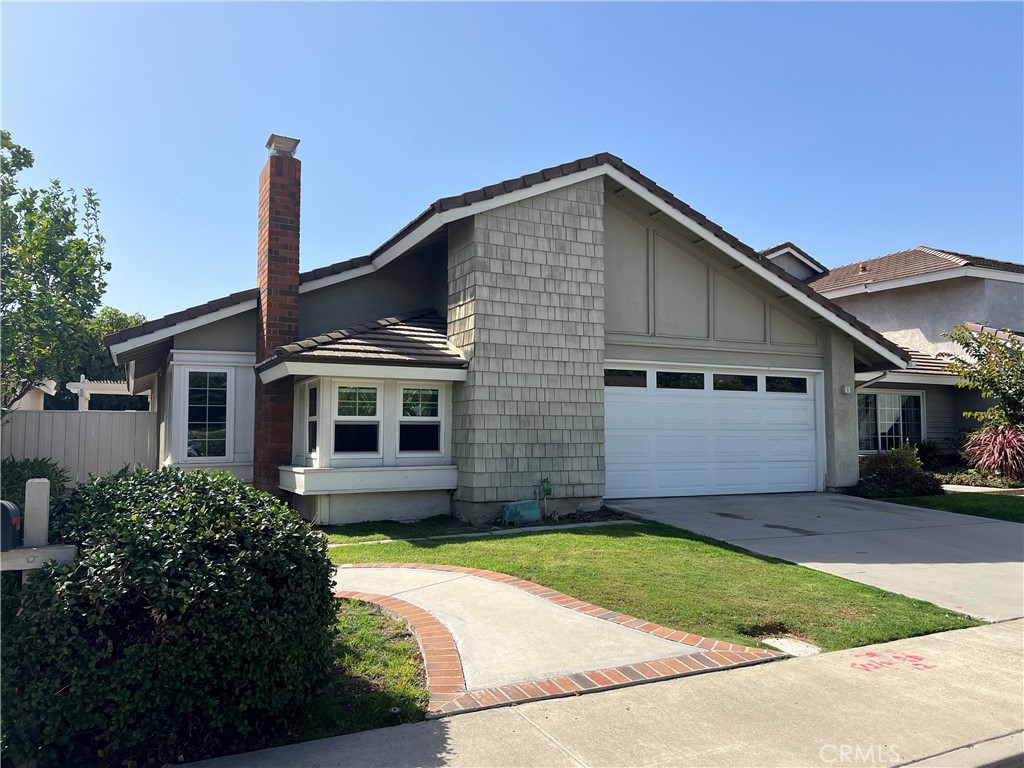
446,679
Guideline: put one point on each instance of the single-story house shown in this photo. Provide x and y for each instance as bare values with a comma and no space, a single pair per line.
913,297
579,326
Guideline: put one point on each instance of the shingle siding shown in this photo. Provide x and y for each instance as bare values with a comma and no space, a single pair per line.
526,306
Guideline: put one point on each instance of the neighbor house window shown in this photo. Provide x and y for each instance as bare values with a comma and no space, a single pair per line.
419,425
357,420
207,428
888,420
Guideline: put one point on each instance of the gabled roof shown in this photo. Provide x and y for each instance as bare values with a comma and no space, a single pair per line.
448,209
788,246
418,339
912,263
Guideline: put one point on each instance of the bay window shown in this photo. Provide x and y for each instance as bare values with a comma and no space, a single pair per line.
357,420
419,426
887,420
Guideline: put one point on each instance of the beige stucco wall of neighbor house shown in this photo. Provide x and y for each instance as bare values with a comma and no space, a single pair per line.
917,316
668,300
414,281
526,306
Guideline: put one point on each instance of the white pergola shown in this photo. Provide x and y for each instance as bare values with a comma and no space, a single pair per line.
85,389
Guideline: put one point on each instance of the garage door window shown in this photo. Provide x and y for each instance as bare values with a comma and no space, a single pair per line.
669,380
728,382
887,421
623,378
786,384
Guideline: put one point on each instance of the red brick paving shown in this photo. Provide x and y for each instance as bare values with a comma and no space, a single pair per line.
446,678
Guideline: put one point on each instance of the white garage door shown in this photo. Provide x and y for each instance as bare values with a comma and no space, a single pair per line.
694,433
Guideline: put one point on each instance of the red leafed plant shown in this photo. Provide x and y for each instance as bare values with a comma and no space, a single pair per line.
998,449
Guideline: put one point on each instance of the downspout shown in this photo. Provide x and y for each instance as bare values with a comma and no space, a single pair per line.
869,382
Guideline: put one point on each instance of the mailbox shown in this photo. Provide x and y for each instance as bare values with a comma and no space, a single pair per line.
10,526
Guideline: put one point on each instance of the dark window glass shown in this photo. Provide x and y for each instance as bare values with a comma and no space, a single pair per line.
867,423
311,403
419,437
310,437
419,402
668,380
796,384
357,401
621,378
207,414
729,382
355,438
887,421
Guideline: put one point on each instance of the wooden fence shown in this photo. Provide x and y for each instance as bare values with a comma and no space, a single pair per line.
85,442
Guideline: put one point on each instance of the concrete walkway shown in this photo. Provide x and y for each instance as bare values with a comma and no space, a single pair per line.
952,699
489,639
972,565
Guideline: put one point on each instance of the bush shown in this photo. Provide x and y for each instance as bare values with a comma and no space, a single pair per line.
999,450
904,457
198,616
14,473
931,454
893,482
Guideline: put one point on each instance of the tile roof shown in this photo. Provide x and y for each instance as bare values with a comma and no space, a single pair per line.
178,317
791,246
418,339
555,172
926,364
921,260
1002,333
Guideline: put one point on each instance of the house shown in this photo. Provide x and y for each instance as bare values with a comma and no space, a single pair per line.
913,297
579,325
35,398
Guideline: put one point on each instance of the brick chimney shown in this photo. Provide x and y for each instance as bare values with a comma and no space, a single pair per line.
277,277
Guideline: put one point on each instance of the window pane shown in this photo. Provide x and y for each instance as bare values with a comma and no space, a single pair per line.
419,402
355,438
419,437
311,403
795,384
207,414
357,401
310,437
621,378
867,423
680,380
728,382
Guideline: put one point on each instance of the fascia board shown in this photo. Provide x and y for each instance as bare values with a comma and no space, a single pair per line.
931,277
790,252
753,266
211,357
947,379
347,370
438,220
121,348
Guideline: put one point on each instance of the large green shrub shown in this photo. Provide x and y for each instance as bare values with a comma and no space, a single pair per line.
14,473
896,481
197,617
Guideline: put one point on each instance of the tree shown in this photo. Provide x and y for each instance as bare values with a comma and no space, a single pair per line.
53,269
994,364
97,366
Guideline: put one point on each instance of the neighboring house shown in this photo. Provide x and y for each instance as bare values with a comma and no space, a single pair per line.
578,325
913,297
35,398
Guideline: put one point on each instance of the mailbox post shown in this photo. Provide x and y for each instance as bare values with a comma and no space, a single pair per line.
35,526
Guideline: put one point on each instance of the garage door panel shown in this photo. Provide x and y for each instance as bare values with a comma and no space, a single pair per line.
662,442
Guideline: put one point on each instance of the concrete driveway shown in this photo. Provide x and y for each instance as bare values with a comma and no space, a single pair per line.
970,564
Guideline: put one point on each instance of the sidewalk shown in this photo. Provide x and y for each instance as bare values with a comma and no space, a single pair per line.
897,703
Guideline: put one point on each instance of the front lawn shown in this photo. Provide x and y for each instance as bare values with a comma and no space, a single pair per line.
376,667
994,505
684,581
440,525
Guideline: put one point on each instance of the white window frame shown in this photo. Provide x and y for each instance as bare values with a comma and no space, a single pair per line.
336,386
919,393
440,419
183,372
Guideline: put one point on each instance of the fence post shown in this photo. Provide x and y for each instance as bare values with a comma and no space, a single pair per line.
36,518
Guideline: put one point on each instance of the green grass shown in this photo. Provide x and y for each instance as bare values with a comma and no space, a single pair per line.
685,581
441,525
993,505
376,666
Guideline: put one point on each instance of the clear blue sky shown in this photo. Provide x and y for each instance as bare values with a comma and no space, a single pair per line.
853,130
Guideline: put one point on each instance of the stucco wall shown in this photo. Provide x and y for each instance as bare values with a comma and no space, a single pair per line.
526,305
842,468
414,281
669,300
917,316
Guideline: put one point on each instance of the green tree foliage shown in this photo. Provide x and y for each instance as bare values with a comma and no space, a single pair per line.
53,269
98,366
994,364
